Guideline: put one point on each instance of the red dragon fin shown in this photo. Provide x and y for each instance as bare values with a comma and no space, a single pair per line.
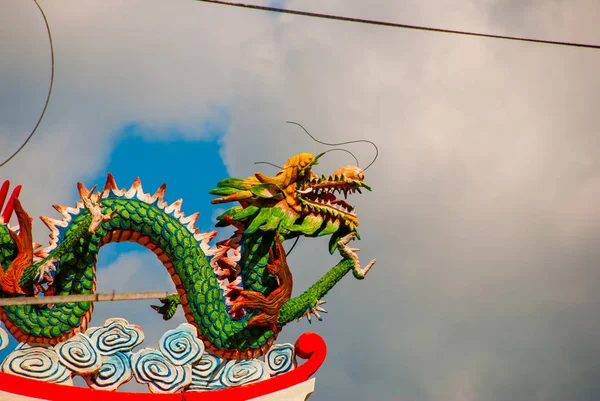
10,205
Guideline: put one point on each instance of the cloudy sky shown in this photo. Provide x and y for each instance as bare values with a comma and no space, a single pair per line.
484,216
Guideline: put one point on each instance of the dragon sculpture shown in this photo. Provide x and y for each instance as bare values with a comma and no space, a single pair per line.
237,293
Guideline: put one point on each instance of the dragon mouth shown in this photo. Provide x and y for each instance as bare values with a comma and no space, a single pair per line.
319,195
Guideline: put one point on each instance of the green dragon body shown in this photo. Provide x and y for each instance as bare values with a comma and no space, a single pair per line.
238,294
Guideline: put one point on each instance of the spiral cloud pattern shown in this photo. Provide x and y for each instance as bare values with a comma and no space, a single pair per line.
78,354
206,373
38,363
114,371
103,357
3,338
280,359
116,335
154,369
238,372
181,346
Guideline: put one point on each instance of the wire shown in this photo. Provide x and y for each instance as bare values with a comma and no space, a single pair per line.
396,25
49,89
330,150
293,245
340,143
344,150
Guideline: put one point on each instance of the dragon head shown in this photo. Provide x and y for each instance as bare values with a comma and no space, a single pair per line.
294,202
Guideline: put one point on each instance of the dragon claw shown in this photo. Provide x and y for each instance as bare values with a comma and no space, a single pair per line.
91,201
350,253
44,273
267,305
314,311
169,306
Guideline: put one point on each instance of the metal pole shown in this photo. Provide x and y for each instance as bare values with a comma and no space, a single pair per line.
56,299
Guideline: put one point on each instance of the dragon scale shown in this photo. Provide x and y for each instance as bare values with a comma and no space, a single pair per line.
237,293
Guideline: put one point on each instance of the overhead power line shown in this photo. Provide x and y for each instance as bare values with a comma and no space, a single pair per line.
49,89
397,25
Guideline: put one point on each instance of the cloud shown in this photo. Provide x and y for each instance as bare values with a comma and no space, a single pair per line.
483,215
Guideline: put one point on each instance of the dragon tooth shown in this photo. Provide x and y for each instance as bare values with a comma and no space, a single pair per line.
306,191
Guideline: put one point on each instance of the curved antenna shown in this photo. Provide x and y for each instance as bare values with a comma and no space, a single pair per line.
340,143
49,89
269,163
344,150
330,150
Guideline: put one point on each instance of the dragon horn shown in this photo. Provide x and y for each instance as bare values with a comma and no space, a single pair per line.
10,206
316,159
280,180
4,192
233,197
25,238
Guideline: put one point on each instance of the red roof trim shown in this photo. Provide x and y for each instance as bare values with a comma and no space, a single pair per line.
309,346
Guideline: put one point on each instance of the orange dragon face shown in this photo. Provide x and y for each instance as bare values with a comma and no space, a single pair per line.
296,200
